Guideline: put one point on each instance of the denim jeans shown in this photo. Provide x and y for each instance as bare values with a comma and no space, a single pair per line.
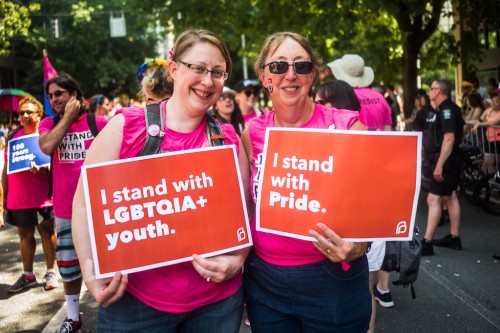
131,315
309,298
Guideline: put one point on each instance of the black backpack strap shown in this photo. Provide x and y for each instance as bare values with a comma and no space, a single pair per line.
92,124
51,177
12,133
214,131
154,116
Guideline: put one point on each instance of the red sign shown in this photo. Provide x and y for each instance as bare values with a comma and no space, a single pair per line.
159,210
364,185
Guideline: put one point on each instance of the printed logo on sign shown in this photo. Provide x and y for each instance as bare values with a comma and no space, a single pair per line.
401,227
242,235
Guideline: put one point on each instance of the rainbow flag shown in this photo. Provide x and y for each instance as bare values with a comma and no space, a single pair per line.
48,73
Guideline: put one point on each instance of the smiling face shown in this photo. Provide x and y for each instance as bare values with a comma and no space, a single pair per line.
29,114
197,92
225,106
289,89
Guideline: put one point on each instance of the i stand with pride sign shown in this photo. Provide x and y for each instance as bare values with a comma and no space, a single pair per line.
364,185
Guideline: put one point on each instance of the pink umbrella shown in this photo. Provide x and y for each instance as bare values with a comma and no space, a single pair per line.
10,98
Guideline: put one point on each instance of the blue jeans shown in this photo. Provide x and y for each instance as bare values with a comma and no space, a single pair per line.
309,298
131,315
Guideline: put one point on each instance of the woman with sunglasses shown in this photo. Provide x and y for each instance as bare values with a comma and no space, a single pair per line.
247,92
206,294
294,285
226,111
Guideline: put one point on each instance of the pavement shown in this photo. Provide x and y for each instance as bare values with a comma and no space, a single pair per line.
457,291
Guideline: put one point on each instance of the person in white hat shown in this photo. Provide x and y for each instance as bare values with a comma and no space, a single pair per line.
375,113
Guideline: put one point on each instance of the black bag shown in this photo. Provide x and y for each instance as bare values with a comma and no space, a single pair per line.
404,257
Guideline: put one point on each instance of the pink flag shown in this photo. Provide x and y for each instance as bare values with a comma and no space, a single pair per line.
48,73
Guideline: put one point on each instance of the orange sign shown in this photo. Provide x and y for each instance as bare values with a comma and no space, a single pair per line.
364,185
159,210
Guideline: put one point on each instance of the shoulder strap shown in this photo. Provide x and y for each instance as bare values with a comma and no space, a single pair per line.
214,131
154,116
11,134
92,124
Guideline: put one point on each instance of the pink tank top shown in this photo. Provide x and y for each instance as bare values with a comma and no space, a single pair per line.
276,249
177,288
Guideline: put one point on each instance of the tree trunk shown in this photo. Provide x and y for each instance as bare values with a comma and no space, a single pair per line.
410,73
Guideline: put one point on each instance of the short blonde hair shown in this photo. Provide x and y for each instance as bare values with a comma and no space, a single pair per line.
190,37
35,102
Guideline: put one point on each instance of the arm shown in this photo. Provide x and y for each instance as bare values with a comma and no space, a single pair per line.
50,141
106,147
446,148
358,125
226,266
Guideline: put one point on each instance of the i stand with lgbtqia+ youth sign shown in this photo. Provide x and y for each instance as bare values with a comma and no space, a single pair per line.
364,185
153,211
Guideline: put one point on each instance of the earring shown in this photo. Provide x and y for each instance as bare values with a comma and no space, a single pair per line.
270,85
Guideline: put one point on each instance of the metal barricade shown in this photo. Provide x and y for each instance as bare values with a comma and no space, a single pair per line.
484,138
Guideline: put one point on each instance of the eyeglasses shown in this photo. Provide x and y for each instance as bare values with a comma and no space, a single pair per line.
223,97
200,70
22,113
281,67
250,92
57,93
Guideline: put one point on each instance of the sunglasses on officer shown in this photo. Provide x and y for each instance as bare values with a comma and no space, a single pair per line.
57,93
281,67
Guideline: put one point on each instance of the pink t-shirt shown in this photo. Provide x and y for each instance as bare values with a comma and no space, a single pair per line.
27,190
375,112
276,249
177,288
68,160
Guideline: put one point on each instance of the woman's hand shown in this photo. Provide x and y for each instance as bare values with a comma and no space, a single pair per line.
220,268
107,291
334,247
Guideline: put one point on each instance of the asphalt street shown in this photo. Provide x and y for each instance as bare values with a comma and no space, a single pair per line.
457,291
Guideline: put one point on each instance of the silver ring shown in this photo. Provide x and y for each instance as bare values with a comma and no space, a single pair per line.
208,278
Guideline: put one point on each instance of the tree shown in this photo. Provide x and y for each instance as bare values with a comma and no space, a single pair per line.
85,50
14,20
417,21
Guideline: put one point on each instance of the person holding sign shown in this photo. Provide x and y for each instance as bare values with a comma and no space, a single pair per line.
293,285
27,202
204,295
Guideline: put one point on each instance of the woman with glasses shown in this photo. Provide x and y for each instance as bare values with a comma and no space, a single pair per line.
294,285
27,202
204,295
226,111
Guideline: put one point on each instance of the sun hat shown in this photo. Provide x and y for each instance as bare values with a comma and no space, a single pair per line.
351,68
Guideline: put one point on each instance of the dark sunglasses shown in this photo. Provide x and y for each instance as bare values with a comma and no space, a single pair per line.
57,93
22,113
223,97
250,92
281,67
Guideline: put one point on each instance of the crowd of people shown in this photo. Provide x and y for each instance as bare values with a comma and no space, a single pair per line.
273,278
